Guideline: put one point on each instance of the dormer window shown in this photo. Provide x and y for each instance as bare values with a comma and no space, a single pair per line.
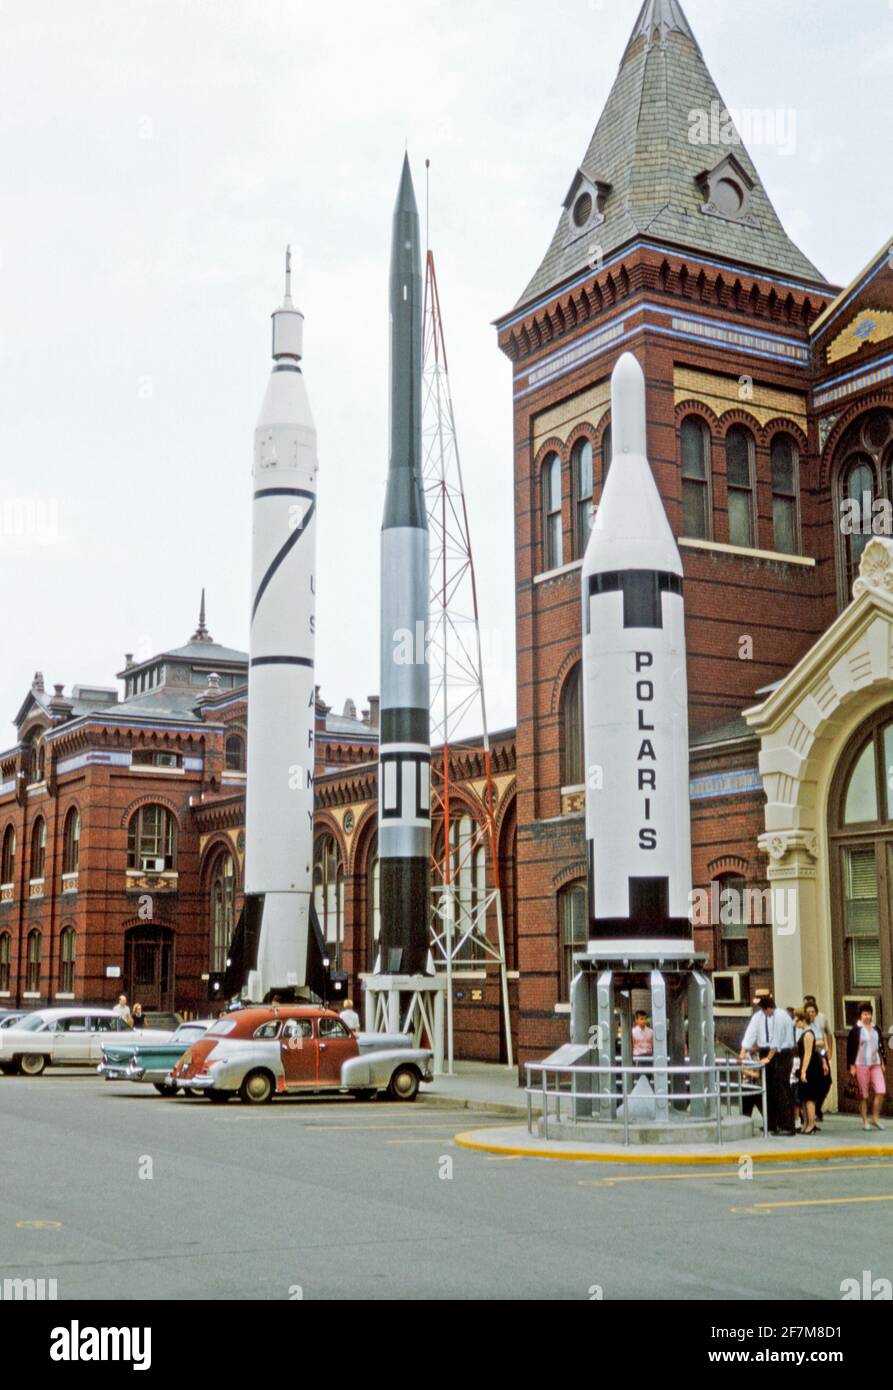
726,190
585,204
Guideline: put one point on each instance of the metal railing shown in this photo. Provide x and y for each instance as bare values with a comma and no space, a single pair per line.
725,1086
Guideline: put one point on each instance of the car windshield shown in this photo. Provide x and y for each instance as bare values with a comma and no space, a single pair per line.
189,1032
220,1030
32,1024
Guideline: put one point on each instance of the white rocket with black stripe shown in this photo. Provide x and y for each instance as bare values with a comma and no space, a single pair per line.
404,761
280,942
635,695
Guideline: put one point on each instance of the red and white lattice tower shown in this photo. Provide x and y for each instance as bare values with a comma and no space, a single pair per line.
467,931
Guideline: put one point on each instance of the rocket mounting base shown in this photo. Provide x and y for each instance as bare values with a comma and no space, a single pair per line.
407,1004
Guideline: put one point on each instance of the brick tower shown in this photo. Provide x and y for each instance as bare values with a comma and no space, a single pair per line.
666,245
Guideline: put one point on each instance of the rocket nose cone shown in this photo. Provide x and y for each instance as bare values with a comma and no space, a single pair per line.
406,192
628,406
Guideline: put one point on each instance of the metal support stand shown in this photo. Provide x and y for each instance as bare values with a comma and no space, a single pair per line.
681,1002
407,1004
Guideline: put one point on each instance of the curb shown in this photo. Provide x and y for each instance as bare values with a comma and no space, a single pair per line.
679,1158
464,1103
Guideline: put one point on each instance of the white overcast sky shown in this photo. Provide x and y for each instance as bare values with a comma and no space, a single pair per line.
158,154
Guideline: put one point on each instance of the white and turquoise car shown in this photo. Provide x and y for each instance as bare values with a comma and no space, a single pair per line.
148,1059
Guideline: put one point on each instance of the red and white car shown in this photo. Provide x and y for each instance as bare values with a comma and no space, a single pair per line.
257,1053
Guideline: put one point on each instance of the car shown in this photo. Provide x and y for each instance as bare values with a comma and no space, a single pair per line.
134,1059
259,1052
60,1037
8,1017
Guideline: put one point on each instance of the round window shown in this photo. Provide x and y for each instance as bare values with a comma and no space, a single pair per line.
583,209
728,197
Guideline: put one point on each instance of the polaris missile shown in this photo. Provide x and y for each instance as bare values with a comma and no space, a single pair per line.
635,697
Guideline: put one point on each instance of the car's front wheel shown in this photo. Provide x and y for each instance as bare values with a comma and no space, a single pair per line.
257,1088
404,1084
32,1064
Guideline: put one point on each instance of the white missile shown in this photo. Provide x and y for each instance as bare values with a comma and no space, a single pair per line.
281,688
635,700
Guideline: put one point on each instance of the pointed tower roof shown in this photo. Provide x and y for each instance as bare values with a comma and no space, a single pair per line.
666,163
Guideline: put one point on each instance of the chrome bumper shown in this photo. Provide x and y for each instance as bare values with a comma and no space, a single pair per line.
192,1083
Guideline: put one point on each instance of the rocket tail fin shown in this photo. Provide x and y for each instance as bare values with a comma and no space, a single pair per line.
243,946
318,973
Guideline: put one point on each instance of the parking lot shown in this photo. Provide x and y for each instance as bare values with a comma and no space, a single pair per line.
117,1193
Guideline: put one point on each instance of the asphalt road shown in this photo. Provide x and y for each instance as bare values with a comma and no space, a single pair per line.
337,1199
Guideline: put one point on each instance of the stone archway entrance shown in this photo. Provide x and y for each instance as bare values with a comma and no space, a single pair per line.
810,729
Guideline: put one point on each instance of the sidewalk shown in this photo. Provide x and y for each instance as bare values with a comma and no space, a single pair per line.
478,1086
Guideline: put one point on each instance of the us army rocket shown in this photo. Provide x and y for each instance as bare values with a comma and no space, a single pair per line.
404,760
635,700
279,947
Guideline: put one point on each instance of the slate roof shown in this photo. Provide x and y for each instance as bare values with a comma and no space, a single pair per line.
641,147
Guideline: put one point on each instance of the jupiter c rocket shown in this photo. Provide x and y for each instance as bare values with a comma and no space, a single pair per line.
404,763
277,946
635,704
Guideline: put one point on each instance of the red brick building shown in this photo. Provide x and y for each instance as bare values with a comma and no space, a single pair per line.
770,415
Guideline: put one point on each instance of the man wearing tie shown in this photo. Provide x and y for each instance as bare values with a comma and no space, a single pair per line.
770,1033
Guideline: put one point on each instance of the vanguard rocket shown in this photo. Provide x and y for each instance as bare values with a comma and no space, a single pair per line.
404,761
635,700
278,946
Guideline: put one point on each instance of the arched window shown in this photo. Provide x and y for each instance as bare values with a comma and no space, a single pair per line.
858,487
71,848
572,931
468,866
739,482
572,729
785,495
37,758
152,840
732,922
861,834
5,950
223,909
695,442
235,753
38,848
607,452
8,856
67,957
553,550
328,895
581,470
35,952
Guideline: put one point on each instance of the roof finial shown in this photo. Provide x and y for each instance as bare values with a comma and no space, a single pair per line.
201,633
286,303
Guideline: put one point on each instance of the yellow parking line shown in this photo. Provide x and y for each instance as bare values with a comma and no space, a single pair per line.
815,1202
697,1176
440,1142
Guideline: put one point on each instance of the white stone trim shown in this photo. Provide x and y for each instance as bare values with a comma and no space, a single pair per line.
556,574
746,553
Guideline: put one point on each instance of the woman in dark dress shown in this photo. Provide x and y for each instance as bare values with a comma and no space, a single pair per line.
812,1078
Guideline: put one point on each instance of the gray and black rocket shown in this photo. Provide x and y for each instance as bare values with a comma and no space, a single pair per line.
404,759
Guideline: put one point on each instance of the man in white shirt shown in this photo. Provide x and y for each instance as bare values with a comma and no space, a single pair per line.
770,1033
122,1010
